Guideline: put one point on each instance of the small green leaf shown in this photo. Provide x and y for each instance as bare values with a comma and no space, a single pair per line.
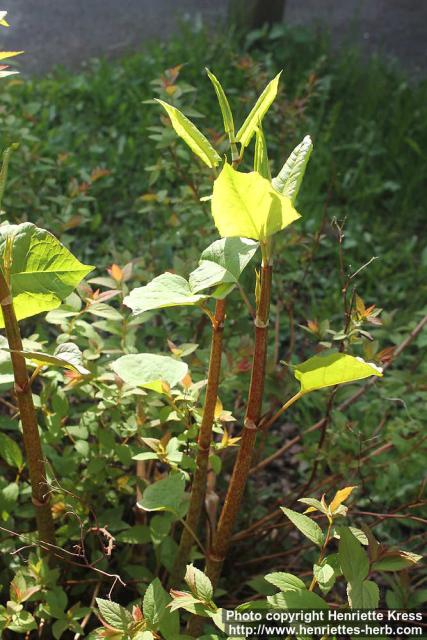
331,369
164,495
353,559
167,290
306,525
255,117
261,157
194,138
199,583
246,205
155,601
42,271
285,581
363,595
149,370
116,616
289,180
67,356
314,504
223,103
10,451
222,263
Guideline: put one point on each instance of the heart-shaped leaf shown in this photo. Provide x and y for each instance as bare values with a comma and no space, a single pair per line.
246,205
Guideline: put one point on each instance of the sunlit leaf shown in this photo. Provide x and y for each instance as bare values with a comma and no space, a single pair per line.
261,157
246,205
363,594
331,369
194,138
254,119
42,271
223,103
289,180
285,581
67,356
340,497
9,54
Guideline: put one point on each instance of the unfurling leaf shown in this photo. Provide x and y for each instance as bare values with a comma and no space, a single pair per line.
261,157
340,497
246,205
331,369
194,138
199,584
227,116
149,370
289,180
255,117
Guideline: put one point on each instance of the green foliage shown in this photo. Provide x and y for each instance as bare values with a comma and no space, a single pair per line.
122,456
247,205
41,271
257,113
150,371
328,370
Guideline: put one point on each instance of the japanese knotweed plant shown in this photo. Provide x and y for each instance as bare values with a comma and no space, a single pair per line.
36,274
249,209
346,557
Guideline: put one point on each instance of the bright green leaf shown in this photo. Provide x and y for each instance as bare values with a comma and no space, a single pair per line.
155,601
10,451
67,355
223,103
164,495
149,370
116,616
222,262
254,119
331,369
246,205
167,290
306,525
353,559
285,581
289,180
42,271
194,138
261,157
363,595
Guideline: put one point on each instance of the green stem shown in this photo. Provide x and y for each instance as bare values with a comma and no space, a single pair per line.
230,510
31,437
322,553
198,489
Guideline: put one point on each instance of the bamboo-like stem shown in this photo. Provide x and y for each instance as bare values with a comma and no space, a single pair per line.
222,537
31,437
198,489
